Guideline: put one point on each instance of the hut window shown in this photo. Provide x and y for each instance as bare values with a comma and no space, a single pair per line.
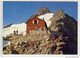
39,28
35,22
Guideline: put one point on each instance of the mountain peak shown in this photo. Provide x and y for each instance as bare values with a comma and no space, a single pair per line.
60,10
43,10
59,14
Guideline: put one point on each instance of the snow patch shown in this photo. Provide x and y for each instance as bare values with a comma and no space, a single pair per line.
9,30
47,18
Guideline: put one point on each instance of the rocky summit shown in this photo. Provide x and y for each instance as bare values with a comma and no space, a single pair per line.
43,10
60,37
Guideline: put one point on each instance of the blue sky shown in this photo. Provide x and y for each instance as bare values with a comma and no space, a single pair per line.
19,12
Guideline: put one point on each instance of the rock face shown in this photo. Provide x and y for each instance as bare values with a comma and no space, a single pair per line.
67,27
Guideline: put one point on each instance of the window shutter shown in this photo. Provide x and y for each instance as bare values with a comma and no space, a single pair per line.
37,21
33,22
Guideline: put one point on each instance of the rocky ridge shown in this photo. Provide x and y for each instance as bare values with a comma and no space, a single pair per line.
66,26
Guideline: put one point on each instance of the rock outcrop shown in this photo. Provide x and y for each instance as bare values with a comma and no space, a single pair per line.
66,26
34,44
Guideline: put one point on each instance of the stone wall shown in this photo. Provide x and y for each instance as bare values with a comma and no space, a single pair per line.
36,32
